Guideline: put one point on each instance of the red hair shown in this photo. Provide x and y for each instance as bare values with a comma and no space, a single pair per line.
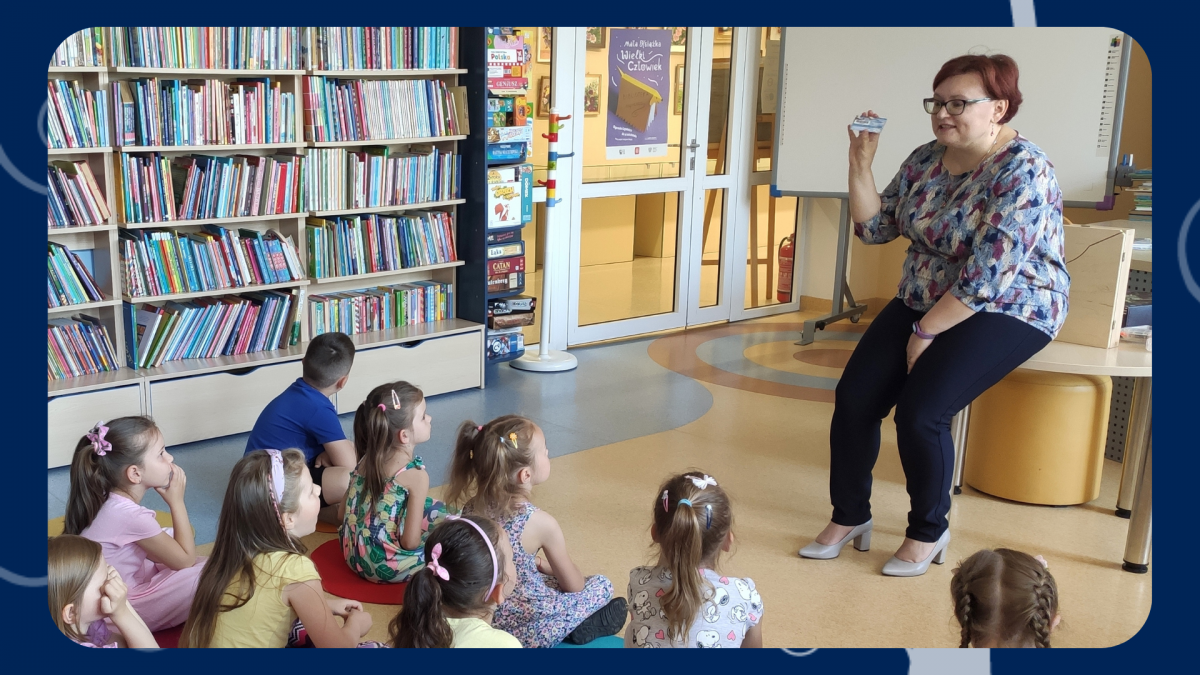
998,73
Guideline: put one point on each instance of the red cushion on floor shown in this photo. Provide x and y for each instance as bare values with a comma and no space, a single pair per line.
169,637
340,580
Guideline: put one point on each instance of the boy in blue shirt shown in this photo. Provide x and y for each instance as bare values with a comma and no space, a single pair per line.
303,417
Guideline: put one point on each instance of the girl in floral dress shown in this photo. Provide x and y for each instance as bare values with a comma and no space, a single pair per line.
493,470
387,512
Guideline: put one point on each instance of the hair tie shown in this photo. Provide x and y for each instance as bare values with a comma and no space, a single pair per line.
433,565
383,407
664,498
685,500
96,436
276,481
486,540
702,483
395,400
707,516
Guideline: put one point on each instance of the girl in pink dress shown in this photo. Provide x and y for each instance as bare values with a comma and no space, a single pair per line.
113,467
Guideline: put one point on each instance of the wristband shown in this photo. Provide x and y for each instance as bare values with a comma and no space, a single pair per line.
920,333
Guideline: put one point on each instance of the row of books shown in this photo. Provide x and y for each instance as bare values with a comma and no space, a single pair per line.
376,243
69,282
164,262
73,197
210,327
237,186
153,111
77,117
87,48
78,345
212,187
261,48
378,176
380,308
371,110
386,48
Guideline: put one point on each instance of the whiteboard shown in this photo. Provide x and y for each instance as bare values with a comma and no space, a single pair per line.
1072,81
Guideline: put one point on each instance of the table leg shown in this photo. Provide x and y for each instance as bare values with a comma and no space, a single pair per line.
1137,542
1137,437
958,431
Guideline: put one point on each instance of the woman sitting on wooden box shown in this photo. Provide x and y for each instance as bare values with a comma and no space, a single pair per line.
984,288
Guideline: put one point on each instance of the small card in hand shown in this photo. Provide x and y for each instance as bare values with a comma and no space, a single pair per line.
872,124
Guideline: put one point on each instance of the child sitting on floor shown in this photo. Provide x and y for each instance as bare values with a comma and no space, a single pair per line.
451,601
1004,598
84,590
683,601
258,581
493,470
387,510
114,465
303,417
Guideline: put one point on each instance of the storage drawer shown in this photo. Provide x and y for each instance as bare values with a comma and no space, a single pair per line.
437,365
73,415
207,406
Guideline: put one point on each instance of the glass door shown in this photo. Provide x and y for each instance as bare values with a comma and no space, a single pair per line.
769,237
646,177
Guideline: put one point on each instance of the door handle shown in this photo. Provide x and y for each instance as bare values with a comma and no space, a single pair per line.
692,162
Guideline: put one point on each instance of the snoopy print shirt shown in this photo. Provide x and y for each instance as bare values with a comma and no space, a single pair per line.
732,607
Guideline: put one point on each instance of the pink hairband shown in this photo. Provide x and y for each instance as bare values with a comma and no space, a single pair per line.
434,567
276,481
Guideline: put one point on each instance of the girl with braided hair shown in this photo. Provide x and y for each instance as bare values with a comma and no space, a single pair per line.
1005,598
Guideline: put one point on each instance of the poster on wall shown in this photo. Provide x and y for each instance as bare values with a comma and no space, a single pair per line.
639,79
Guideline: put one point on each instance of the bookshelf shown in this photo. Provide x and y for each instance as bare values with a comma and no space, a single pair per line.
213,395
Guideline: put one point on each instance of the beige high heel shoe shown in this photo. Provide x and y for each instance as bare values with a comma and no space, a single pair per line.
862,541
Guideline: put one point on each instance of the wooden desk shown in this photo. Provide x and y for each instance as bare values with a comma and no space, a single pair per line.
1126,360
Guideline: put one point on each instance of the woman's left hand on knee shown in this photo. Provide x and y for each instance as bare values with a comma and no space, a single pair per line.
916,347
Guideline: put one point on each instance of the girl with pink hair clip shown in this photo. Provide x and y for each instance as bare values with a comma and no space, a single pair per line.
114,466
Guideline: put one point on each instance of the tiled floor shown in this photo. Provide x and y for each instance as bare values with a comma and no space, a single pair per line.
744,404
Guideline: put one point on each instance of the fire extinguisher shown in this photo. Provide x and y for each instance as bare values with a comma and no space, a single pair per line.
786,261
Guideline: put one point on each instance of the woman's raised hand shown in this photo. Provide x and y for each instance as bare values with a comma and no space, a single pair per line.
862,145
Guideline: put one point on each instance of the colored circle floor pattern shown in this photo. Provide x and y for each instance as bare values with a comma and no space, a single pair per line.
761,357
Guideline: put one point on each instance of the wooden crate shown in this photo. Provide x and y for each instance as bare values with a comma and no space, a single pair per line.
1098,260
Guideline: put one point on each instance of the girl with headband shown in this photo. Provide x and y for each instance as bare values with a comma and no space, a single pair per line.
388,512
493,472
450,602
114,466
258,581
684,600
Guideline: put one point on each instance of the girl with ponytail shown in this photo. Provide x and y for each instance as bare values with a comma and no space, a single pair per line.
493,472
387,513
683,601
1004,598
450,602
114,466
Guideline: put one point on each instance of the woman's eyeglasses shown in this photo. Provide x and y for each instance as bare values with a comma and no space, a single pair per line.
954,106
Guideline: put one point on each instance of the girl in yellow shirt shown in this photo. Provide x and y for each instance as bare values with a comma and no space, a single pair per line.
450,602
258,580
